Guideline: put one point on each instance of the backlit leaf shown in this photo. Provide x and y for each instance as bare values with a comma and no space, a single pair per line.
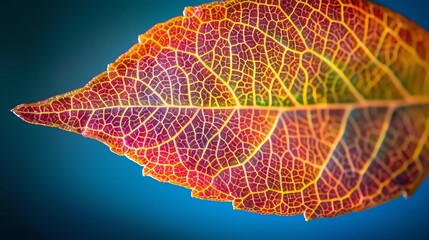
282,107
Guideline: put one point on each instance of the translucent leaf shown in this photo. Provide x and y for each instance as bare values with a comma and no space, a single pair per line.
281,107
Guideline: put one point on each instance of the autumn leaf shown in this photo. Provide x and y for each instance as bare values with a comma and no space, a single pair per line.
282,107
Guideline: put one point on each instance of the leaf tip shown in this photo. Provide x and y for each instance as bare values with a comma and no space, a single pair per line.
20,111
31,113
52,112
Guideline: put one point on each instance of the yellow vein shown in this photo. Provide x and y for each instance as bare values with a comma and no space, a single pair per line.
394,79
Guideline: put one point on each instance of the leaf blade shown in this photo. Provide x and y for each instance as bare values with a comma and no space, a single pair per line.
217,102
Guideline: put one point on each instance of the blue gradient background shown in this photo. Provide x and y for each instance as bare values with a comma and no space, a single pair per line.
55,184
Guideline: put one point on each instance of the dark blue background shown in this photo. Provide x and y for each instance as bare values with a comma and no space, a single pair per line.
55,184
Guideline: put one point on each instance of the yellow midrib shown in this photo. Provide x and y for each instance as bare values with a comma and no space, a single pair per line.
418,100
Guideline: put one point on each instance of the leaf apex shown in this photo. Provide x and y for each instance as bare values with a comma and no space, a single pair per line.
19,111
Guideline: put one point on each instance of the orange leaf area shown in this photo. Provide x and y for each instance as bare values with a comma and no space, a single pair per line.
279,106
